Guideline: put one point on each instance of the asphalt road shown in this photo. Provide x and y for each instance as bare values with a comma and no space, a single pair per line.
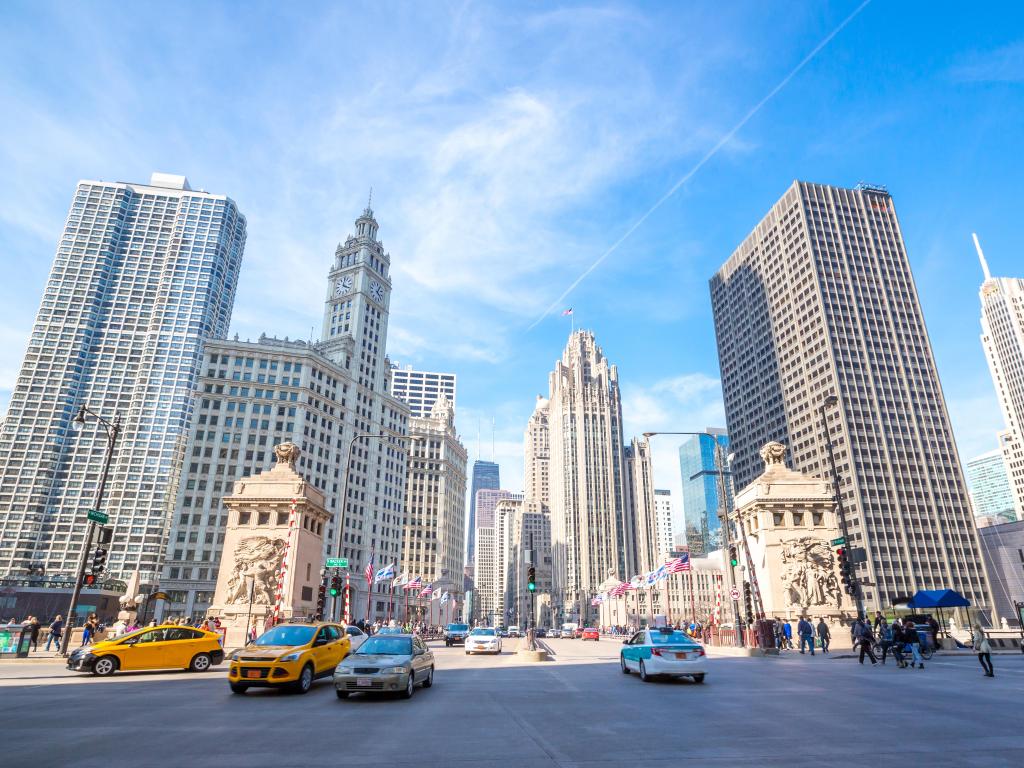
494,711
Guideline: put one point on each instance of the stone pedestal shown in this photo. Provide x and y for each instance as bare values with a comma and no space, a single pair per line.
787,521
273,550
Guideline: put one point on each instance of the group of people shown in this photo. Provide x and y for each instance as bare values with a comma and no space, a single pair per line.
807,634
899,637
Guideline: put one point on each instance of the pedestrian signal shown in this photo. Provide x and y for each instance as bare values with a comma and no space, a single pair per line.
88,580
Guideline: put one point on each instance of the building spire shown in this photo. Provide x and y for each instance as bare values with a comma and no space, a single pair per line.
981,257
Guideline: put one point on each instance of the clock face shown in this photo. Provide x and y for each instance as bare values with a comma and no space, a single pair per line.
343,286
376,292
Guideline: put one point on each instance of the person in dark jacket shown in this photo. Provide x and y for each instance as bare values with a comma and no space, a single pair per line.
806,632
56,633
862,635
913,641
824,635
33,632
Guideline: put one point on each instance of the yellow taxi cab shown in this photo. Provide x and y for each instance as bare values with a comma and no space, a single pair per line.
289,656
165,647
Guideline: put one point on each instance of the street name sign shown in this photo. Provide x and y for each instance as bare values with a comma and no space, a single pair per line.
337,562
839,542
98,517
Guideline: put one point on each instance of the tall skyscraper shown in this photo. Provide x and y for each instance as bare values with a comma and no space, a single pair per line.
144,275
989,486
1002,337
592,526
819,301
663,520
421,389
486,475
702,496
537,454
325,398
640,482
435,502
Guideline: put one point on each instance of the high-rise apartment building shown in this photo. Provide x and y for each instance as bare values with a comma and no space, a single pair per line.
486,501
819,301
592,526
484,581
1002,337
435,502
421,389
702,497
640,482
989,486
144,275
531,544
486,475
537,454
326,398
663,520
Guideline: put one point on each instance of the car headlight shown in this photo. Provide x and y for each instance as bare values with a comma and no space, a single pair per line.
293,656
394,671
236,655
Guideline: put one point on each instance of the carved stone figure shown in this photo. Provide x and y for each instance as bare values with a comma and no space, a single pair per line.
287,453
260,557
809,578
773,453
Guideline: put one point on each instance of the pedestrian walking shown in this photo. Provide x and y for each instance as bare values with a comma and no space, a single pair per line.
863,636
56,633
885,638
806,632
824,636
787,635
913,643
33,632
984,650
899,643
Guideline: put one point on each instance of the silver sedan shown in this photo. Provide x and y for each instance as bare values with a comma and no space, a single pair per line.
386,663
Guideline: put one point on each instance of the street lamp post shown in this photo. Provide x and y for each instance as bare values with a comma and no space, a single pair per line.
344,493
113,430
829,402
723,513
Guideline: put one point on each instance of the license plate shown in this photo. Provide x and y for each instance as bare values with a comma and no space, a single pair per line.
682,655
252,673
364,682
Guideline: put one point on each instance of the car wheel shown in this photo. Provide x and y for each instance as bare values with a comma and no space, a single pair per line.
410,688
305,681
622,665
341,694
104,665
698,678
643,673
429,682
239,687
200,663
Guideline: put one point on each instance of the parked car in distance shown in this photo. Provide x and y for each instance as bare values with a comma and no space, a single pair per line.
502,632
513,631
542,632
483,640
455,634
590,633
555,633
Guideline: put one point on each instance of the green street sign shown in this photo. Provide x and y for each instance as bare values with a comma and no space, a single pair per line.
337,562
98,517
839,542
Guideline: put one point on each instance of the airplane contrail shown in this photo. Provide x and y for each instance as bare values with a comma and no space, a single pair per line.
700,164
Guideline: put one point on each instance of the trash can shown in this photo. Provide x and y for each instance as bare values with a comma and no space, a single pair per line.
15,641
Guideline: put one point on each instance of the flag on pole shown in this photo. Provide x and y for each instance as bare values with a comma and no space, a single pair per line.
436,596
567,312
368,571
427,590
636,582
444,598
385,573
414,583
678,564
399,581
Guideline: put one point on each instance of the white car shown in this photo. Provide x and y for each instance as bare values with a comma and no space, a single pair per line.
663,652
513,631
483,640
356,636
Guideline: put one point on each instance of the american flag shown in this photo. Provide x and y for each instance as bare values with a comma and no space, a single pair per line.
622,589
567,312
414,583
595,601
427,590
368,571
678,564
636,582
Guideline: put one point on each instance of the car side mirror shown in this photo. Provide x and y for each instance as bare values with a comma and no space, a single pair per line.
625,642
418,652
319,641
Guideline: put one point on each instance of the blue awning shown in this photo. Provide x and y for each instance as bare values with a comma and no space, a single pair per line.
938,598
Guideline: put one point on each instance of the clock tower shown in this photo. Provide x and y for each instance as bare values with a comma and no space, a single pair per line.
356,309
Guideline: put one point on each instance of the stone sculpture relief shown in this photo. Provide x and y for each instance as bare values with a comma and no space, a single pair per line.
259,556
809,576
773,453
286,453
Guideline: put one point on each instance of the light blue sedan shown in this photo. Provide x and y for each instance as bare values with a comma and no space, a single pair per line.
663,652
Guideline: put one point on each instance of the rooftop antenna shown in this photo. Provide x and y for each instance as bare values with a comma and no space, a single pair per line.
492,439
369,202
981,257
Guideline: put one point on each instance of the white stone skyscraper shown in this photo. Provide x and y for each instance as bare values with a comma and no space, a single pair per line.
537,455
1002,337
592,528
144,275
819,327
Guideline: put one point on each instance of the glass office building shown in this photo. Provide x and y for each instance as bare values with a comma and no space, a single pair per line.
702,491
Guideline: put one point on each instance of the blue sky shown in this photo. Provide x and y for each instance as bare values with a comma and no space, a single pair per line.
509,146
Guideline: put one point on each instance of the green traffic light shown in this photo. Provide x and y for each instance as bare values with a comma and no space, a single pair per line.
334,592
531,586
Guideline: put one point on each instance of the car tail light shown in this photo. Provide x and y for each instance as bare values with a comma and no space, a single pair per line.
656,651
700,651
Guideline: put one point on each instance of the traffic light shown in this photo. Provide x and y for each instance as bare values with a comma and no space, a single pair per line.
733,559
846,570
99,561
531,579
321,600
88,580
748,601
336,585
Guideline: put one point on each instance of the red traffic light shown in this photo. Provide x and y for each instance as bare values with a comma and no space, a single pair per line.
88,580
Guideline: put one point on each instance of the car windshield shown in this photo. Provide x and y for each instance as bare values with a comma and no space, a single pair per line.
458,627
388,646
483,632
286,636
671,638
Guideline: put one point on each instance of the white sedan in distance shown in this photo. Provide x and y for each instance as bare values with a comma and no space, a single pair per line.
356,636
663,652
483,640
